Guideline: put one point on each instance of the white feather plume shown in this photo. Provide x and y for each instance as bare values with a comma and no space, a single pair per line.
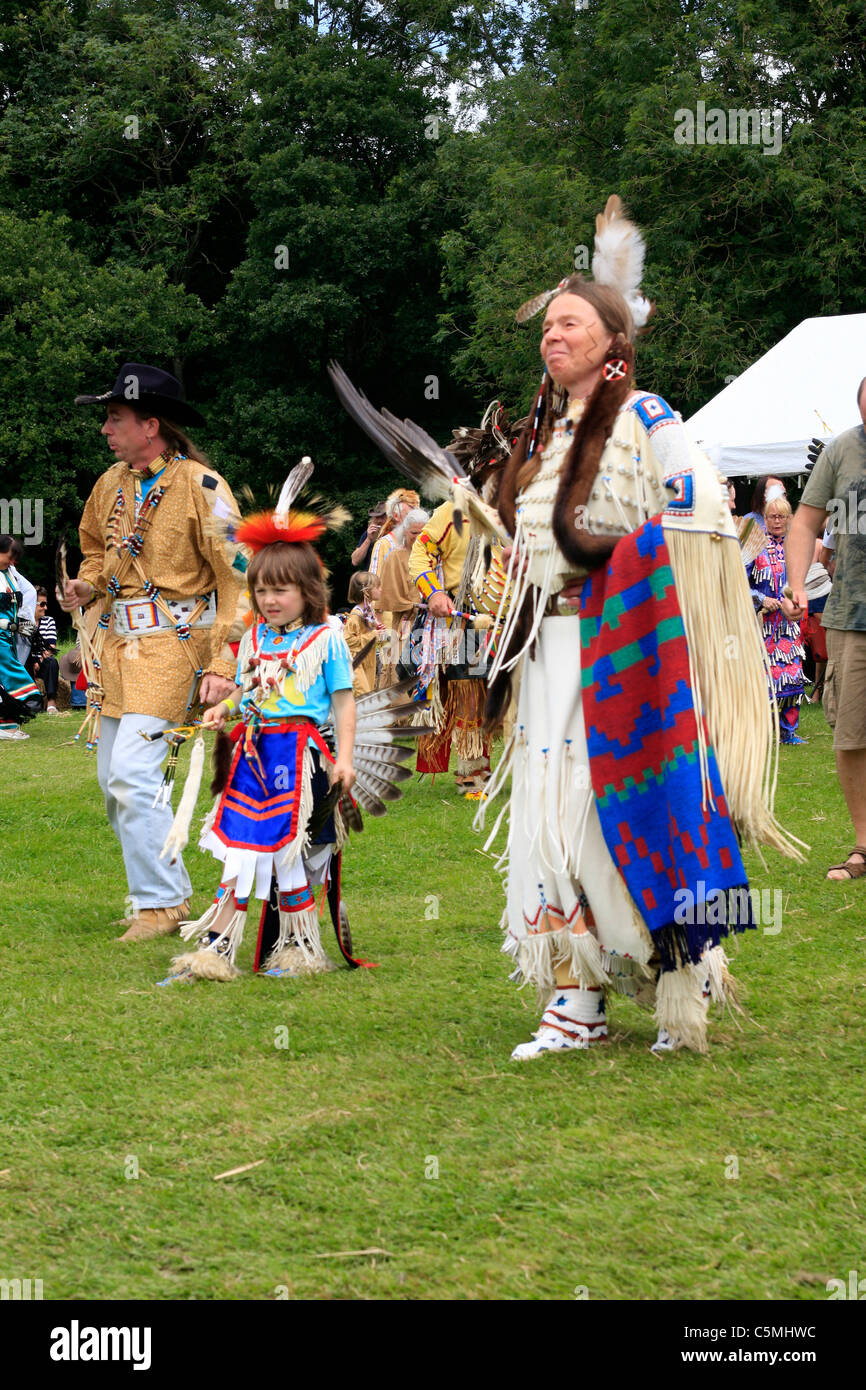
300,474
619,256
178,837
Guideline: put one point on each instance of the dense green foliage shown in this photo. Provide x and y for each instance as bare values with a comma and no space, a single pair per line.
239,190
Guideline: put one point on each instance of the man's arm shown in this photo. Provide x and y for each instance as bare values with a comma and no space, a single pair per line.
425,555
361,551
807,525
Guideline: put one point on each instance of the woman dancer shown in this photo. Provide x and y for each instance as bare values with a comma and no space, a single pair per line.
20,698
767,579
622,859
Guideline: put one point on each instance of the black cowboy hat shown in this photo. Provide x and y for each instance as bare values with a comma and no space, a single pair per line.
148,388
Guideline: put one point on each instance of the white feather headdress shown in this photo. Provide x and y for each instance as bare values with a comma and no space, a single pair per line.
617,261
619,256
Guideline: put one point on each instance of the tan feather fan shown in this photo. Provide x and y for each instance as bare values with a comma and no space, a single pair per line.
752,539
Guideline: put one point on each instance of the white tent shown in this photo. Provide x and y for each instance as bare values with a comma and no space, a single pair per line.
804,387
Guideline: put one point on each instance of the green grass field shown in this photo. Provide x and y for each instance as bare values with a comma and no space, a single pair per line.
400,1153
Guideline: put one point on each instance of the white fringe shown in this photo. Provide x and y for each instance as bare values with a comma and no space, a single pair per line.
195,930
299,947
308,665
538,956
728,666
513,598
681,1008
290,853
271,671
722,985
177,838
232,933
497,781
211,962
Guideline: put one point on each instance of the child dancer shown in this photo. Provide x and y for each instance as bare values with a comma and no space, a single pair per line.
293,673
362,625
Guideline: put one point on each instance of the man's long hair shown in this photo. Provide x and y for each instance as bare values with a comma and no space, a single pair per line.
177,439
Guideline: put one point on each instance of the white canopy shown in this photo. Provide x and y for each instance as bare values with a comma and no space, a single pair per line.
804,387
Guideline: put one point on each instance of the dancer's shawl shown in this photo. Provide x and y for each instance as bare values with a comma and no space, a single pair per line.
674,846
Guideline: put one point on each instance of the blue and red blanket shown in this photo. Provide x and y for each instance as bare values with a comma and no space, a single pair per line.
680,860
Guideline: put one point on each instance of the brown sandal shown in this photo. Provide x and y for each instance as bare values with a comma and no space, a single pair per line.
852,868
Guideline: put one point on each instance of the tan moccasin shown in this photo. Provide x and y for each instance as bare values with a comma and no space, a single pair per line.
155,921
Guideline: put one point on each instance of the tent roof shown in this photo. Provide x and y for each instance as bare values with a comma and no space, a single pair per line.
804,387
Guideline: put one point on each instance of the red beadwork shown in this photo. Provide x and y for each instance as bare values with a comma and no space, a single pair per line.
615,369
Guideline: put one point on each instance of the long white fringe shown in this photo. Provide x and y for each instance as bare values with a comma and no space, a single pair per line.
299,946
728,668
212,962
538,956
681,1007
178,837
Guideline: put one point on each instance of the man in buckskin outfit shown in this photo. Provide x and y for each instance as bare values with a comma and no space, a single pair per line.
169,595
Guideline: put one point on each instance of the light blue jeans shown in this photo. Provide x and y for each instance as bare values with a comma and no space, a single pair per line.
130,772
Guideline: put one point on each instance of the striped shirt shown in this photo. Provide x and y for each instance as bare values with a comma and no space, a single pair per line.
48,631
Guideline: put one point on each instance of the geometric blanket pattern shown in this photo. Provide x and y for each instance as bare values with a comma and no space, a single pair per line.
680,859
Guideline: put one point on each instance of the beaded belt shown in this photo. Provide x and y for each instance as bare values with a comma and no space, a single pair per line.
141,617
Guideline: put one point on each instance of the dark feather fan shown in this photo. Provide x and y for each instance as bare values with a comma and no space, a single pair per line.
409,448
435,471
380,751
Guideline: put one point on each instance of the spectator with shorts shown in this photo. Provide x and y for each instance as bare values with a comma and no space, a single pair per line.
838,485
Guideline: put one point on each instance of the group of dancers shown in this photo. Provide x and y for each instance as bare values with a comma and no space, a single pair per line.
592,554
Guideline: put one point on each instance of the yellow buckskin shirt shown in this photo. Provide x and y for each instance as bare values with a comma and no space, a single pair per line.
151,673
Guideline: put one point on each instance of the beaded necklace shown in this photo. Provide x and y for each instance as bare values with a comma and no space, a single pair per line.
126,536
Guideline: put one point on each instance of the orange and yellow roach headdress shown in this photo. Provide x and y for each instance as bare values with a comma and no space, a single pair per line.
271,528
283,525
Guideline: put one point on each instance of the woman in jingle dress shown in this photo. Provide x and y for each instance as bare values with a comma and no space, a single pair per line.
767,579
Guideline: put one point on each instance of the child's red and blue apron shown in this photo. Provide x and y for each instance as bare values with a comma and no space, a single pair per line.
260,806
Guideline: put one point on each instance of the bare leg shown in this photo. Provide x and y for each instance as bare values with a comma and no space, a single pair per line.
851,769
563,976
